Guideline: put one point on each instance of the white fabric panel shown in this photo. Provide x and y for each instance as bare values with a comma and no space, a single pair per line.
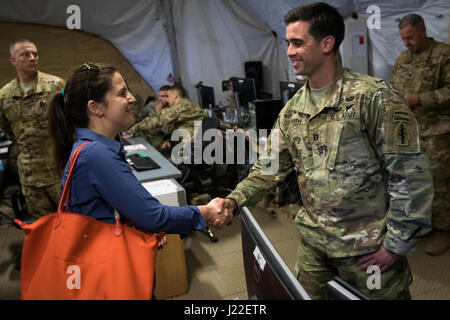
214,39
135,27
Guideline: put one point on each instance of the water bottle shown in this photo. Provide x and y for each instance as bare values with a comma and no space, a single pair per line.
210,112
228,115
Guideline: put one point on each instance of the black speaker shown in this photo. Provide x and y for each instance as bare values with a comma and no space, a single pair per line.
254,70
264,113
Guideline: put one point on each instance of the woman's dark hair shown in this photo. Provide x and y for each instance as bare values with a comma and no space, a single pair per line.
68,109
325,21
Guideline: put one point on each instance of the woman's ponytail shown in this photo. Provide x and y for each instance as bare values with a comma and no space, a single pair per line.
62,130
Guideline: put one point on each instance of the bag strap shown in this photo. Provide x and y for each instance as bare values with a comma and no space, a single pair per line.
65,197
64,201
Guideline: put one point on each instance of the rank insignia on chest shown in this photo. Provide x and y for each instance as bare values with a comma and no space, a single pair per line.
343,113
402,121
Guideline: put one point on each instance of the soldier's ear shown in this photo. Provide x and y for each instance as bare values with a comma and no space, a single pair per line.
12,60
327,44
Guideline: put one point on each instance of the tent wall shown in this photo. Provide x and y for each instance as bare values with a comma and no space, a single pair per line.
215,45
214,38
136,28
385,43
61,51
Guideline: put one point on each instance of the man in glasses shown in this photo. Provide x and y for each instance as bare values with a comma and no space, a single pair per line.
180,113
153,108
23,117
153,105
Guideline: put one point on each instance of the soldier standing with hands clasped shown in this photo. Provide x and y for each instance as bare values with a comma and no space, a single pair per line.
422,75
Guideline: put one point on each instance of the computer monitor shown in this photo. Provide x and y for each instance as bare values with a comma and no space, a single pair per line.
206,97
267,275
264,113
288,89
245,91
338,289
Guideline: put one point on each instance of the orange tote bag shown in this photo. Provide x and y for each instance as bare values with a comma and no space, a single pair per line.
71,256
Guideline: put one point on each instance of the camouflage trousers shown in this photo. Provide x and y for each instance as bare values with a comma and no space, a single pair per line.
314,269
43,200
437,148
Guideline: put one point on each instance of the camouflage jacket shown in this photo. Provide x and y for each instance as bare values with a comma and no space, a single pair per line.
148,110
363,178
178,116
427,73
23,117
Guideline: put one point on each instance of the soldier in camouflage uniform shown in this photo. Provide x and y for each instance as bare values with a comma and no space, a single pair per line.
23,117
363,178
146,110
180,114
422,75
158,136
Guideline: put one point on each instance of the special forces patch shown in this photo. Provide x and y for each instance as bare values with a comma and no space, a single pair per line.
402,121
402,132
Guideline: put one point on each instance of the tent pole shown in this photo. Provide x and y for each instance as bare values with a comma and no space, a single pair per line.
166,5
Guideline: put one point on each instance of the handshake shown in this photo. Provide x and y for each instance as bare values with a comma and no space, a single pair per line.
218,212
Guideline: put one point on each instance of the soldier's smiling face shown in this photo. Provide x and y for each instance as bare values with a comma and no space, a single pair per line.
304,51
414,37
24,56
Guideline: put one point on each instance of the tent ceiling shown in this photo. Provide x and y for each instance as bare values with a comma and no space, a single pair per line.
214,38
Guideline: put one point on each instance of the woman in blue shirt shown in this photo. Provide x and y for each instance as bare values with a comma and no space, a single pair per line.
94,107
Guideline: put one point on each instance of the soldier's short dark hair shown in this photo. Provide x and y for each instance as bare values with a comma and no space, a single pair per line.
181,91
411,19
164,88
11,46
325,21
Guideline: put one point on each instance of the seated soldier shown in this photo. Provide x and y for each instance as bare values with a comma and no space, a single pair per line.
157,138
180,113
152,106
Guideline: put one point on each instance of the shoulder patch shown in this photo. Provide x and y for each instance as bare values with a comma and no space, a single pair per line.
402,132
401,121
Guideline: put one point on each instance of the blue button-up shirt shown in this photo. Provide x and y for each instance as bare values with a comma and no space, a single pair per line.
102,181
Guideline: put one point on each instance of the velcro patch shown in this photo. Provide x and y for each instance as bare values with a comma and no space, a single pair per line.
402,133
402,122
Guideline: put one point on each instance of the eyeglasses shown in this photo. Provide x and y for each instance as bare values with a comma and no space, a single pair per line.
89,66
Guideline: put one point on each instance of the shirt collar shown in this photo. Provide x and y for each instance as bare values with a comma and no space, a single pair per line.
35,87
422,55
89,135
331,98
